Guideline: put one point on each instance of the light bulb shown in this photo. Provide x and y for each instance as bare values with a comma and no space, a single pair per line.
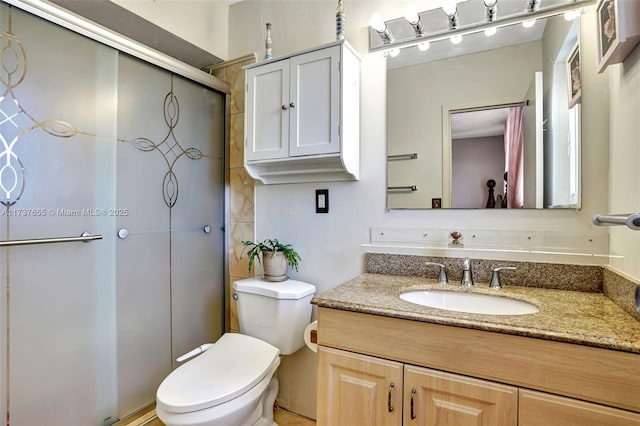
377,23
490,3
424,46
449,7
529,23
394,52
490,31
456,39
411,15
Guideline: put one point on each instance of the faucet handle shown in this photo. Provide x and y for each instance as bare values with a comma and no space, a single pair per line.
442,275
495,276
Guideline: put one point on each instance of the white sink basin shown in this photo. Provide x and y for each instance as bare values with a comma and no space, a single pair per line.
471,303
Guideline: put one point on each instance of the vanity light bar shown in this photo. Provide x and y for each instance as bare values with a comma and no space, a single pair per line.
375,45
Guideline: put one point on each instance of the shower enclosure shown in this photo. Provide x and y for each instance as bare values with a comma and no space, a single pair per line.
111,222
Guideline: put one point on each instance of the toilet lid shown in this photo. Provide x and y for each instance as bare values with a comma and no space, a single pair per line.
229,368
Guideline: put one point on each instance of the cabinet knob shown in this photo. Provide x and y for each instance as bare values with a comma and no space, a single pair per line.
284,107
292,105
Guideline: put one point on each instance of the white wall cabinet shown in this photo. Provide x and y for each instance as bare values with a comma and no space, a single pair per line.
302,116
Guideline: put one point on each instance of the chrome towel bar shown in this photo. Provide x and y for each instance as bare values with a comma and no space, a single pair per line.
402,188
412,156
632,220
85,237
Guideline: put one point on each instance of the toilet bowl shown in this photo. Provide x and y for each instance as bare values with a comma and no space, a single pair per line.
224,386
232,383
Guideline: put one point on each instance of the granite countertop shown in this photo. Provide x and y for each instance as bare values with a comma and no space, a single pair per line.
567,316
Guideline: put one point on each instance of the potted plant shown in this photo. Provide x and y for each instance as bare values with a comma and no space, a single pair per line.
273,256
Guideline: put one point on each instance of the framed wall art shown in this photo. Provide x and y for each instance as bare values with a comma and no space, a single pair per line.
574,80
618,30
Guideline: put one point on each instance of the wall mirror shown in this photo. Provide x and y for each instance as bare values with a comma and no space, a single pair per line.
449,135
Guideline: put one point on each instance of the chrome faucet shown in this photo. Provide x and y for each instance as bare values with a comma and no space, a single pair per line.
442,274
495,276
467,274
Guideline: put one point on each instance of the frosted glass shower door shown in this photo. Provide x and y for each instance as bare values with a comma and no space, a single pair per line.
170,265
57,150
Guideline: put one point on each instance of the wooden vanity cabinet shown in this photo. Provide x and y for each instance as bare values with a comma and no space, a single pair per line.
457,376
357,389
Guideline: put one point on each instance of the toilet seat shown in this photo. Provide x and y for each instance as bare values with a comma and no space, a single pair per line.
235,364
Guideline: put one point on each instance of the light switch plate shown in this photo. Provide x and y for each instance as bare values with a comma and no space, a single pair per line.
322,201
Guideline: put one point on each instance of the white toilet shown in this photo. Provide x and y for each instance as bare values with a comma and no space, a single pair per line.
232,382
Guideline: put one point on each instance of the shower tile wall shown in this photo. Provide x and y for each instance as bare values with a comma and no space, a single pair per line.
241,185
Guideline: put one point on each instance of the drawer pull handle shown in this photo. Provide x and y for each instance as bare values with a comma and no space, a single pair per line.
413,413
389,406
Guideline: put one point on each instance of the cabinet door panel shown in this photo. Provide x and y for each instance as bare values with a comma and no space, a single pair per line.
267,111
355,389
539,409
443,399
315,94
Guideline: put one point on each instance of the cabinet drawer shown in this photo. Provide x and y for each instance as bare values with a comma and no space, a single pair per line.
539,409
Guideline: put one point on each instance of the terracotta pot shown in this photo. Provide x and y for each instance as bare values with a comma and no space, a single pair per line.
274,266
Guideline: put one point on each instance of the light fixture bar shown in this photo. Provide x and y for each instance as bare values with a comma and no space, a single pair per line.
375,46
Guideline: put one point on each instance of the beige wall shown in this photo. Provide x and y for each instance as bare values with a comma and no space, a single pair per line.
202,23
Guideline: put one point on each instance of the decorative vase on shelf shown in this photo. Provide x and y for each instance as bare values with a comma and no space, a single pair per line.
340,21
456,237
268,43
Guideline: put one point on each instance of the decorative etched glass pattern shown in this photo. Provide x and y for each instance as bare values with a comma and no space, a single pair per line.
169,148
15,120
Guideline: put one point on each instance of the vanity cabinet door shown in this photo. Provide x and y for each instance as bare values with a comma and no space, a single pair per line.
434,398
356,389
540,409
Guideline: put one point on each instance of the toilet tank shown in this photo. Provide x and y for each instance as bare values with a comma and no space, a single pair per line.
276,312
